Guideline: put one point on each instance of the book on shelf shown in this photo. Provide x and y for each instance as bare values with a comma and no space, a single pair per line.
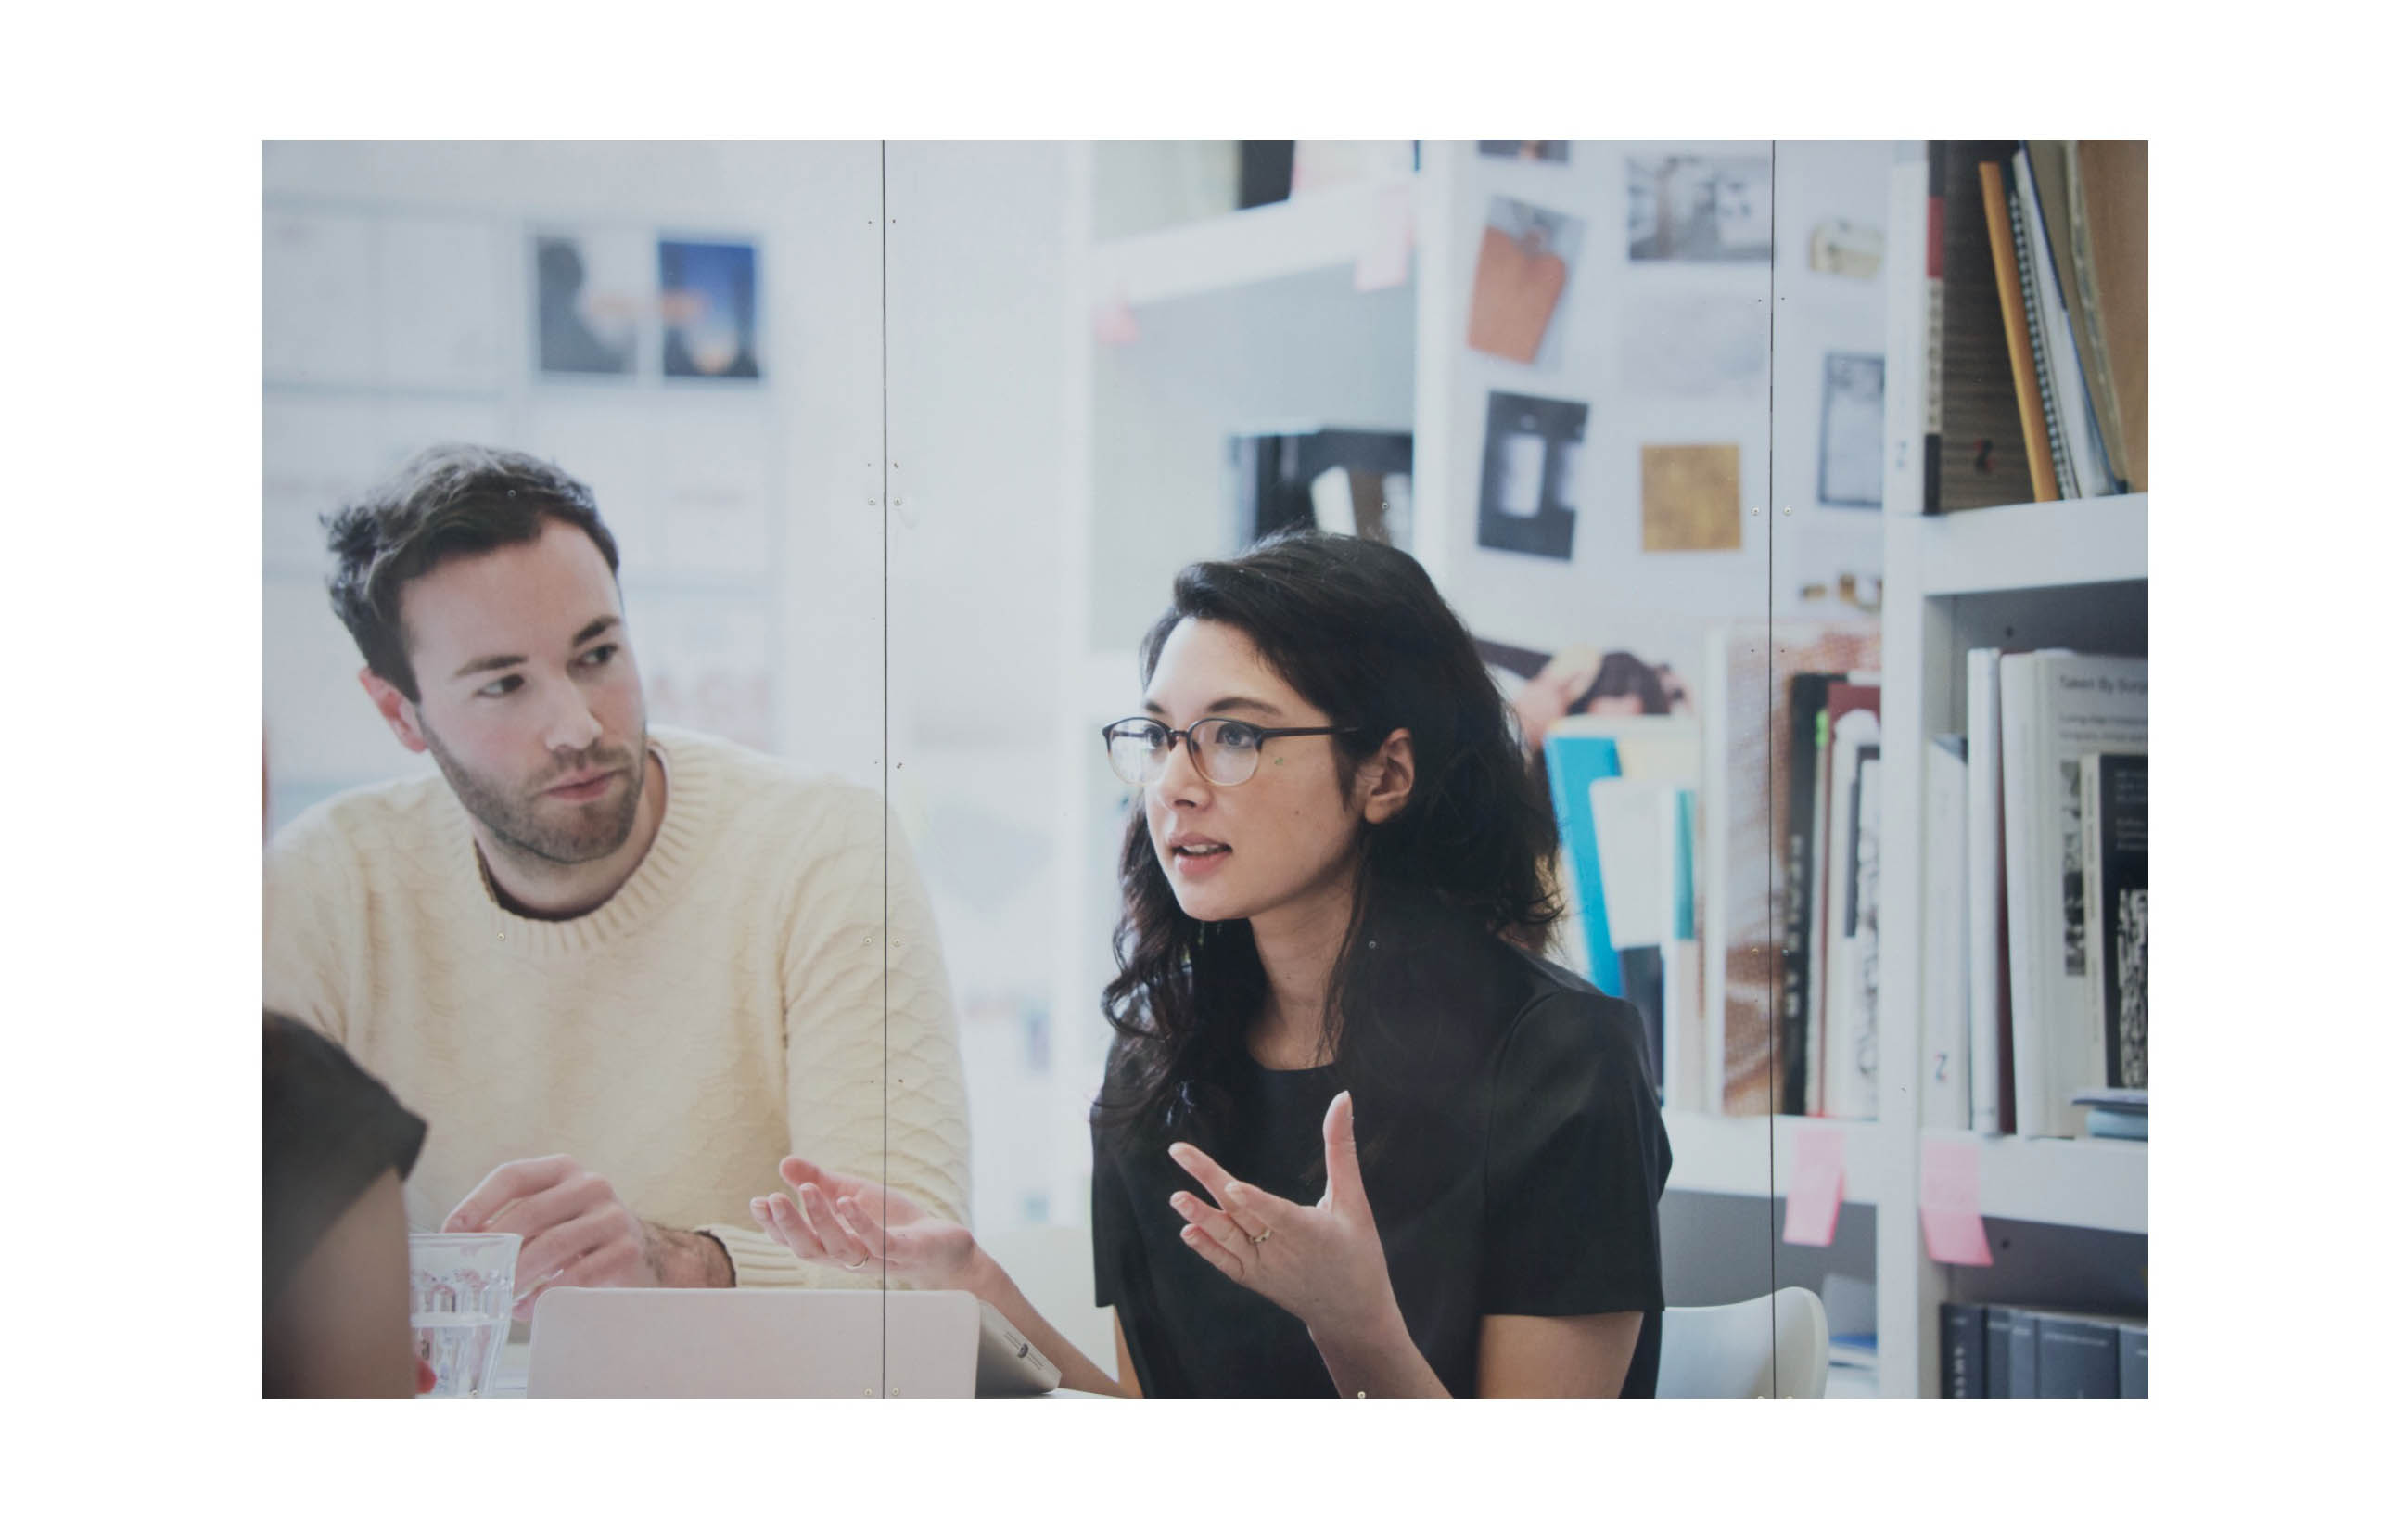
2115,1125
1991,1038
2053,706
1964,1349
2036,406
1982,457
1999,1350
1749,733
1947,1025
2084,450
2107,198
1625,800
1842,1035
1994,358
1801,849
2115,913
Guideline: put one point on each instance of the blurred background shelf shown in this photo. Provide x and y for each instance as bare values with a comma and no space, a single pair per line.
1311,231
1729,1153
2099,1185
2023,548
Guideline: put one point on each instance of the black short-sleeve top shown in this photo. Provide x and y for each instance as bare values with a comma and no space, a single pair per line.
1512,1154
328,1131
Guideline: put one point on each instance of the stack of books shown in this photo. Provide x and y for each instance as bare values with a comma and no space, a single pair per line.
2029,1350
2024,331
2036,956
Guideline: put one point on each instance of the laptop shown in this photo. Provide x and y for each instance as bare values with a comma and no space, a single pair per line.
626,1342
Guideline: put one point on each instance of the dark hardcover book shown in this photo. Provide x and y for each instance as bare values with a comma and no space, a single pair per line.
2076,1356
1982,460
2132,1359
2023,1353
2123,966
1935,346
1998,1339
1964,1350
1808,690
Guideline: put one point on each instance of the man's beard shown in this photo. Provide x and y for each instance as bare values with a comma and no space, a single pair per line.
572,834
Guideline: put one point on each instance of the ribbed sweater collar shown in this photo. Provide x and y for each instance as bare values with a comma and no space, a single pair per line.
690,778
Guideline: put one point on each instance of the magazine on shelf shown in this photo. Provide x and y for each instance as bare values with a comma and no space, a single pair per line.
2053,706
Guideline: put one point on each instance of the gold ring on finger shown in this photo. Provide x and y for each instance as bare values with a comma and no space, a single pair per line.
1261,1236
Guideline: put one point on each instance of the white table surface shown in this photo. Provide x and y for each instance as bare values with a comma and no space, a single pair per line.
510,1378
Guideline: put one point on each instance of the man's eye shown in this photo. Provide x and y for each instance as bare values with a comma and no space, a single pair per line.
601,655
499,686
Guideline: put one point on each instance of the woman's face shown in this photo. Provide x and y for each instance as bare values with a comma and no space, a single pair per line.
1283,842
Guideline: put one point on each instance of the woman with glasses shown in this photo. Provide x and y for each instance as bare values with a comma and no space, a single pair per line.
1354,1137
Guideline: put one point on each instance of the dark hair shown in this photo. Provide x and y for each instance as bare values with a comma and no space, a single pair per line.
1357,628
452,499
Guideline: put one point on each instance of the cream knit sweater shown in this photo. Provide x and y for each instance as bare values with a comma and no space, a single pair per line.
735,1000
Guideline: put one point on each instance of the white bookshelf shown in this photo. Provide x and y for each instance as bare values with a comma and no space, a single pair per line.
2072,573
1729,1154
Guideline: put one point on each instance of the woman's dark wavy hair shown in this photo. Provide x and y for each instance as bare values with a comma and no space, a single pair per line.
1357,628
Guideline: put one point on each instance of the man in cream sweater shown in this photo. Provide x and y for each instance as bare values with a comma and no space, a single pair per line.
620,972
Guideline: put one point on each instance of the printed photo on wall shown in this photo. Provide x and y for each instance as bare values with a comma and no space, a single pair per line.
592,291
1688,497
1527,473
1851,474
1526,260
1556,150
709,304
1697,207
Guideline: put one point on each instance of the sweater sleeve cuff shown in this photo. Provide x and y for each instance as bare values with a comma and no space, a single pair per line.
761,1261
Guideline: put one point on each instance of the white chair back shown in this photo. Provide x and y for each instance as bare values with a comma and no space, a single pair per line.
1773,1346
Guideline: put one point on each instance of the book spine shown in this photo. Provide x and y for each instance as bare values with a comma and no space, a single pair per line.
1818,898
1993,1096
1863,1076
1947,1096
2022,797
1964,1348
2043,342
2023,1353
2122,955
1998,1338
1806,694
2074,1357
2132,1361
1935,332
2096,931
2085,464
2093,321
2019,346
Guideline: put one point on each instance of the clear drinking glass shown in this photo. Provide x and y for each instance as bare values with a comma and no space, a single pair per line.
459,1294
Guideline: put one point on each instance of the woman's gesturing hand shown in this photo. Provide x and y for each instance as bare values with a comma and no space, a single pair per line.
854,1225
1321,1263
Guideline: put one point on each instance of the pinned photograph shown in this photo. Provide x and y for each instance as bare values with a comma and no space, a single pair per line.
709,310
1527,473
1699,208
1845,250
592,291
1555,150
1851,474
1526,260
1688,497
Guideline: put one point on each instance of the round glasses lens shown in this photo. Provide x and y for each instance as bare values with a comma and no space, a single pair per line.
1137,752
1229,750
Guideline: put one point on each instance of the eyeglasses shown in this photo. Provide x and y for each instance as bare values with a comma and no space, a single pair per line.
1226,752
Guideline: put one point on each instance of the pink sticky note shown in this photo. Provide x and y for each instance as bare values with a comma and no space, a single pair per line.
1115,324
1385,259
1951,1203
1818,1177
